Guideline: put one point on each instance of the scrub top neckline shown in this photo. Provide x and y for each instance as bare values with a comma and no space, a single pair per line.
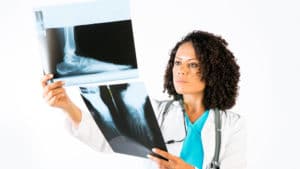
198,124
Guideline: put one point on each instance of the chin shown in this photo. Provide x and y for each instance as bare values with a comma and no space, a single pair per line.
185,91
180,91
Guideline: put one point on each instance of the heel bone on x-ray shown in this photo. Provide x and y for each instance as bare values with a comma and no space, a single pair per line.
97,46
74,64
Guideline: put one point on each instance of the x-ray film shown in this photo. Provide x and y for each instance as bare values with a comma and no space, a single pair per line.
124,114
86,43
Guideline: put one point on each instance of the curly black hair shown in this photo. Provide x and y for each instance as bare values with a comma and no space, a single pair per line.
219,70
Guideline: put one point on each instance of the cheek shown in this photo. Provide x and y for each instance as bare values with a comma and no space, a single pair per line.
199,83
174,73
197,78
173,70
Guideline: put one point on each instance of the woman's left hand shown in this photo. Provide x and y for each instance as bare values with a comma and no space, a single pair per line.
172,163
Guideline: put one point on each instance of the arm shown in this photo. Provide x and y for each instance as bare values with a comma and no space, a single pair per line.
79,123
55,95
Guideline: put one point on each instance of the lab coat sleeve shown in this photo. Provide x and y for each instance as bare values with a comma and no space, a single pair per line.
87,131
234,156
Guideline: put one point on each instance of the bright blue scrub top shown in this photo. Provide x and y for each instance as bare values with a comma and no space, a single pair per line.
192,149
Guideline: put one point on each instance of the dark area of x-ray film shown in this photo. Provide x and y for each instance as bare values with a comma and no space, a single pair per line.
93,48
87,42
125,116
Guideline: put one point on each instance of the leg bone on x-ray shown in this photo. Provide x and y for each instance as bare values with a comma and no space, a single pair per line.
74,64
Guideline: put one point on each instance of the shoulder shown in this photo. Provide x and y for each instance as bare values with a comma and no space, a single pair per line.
232,122
231,117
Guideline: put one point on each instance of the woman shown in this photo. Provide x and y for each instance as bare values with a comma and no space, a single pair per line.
201,75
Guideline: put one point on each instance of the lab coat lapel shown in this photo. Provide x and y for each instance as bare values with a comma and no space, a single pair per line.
208,138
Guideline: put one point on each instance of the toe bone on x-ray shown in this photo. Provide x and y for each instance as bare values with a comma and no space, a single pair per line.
74,64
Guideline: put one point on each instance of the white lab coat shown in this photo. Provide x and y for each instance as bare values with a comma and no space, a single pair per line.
233,145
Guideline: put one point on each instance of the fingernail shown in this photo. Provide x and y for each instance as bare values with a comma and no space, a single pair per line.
148,155
154,149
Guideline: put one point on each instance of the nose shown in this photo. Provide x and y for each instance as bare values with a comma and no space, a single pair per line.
182,70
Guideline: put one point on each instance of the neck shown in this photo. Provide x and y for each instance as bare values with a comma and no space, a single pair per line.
194,106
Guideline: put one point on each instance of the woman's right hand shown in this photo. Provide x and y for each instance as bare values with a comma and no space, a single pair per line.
55,95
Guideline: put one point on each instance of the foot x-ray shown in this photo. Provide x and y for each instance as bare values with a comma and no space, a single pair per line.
124,114
97,46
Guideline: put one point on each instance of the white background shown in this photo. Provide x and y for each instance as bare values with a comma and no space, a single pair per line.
263,35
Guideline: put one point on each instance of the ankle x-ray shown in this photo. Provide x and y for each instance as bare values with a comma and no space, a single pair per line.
124,114
87,42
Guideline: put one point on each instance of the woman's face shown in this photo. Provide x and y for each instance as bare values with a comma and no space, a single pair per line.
186,74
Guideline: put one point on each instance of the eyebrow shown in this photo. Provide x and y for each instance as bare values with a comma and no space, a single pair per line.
184,58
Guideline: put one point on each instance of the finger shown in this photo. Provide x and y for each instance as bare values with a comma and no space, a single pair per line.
54,93
54,100
55,85
163,154
45,79
160,162
52,87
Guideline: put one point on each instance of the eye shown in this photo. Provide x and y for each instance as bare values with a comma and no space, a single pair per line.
176,62
194,65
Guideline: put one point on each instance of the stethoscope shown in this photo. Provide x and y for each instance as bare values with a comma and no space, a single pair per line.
214,164
164,113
